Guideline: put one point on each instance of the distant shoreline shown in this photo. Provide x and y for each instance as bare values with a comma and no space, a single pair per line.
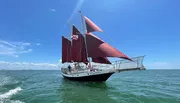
28,70
59,69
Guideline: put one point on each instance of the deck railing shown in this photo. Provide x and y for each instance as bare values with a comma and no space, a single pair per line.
125,64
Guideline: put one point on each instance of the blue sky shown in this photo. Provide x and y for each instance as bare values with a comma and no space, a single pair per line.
30,31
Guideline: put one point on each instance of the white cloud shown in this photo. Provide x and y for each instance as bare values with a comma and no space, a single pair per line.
60,60
14,49
163,65
28,66
38,44
53,10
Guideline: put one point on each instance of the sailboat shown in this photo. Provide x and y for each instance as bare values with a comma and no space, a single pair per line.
85,56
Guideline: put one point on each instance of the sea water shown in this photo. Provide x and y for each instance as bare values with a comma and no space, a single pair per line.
33,86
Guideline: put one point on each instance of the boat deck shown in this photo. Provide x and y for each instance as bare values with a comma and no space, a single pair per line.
117,66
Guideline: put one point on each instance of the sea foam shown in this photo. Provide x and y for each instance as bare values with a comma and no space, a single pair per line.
10,93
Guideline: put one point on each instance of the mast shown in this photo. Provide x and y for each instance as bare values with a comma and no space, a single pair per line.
70,32
84,32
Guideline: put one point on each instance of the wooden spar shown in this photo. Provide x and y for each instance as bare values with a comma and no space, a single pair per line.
84,32
70,32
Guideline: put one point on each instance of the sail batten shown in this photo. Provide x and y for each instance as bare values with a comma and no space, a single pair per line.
90,26
66,50
99,48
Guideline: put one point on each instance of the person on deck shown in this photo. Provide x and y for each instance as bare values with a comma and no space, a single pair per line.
69,68
90,67
75,66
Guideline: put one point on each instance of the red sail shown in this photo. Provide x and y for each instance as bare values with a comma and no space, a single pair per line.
102,60
90,26
66,50
78,47
98,48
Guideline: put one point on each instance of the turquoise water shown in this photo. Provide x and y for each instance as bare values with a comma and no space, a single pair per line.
150,86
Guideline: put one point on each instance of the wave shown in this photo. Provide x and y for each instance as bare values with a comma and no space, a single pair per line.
11,101
10,93
4,80
7,81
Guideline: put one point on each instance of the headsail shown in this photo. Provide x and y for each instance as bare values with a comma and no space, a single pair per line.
102,60
90,26
98,48
66,50
78,47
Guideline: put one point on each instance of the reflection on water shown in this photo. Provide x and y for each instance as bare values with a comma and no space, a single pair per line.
81,92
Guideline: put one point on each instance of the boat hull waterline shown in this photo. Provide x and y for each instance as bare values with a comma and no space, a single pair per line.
95,76
101,77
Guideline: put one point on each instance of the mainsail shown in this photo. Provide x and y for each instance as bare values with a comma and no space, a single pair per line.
66,50
92,27
78,47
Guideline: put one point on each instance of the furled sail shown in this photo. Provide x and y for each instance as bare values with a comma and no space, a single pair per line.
102,60
98,48
90,26
78,46
66,50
